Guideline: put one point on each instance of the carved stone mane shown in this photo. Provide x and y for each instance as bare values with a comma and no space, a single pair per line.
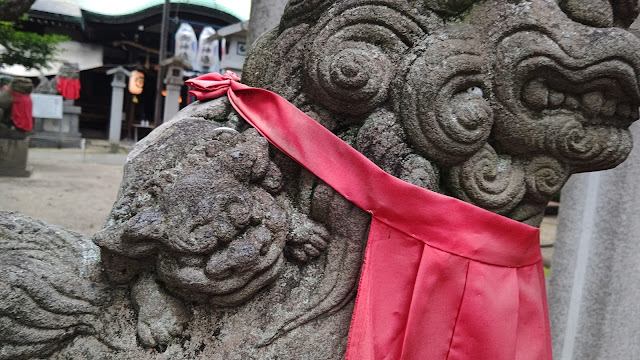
226,248
496,115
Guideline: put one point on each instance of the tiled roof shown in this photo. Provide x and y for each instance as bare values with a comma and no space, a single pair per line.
73,8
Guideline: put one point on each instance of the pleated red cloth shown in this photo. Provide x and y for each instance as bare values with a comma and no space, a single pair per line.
69,88
22,111
442,279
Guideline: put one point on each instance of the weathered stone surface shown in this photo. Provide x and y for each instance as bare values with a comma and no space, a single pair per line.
265,15
506,108
44,87
13,157
48,286
236,268
202,209
220,246
594,288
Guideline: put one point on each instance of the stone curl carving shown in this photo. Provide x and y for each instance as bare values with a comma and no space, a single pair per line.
494,182
600,13
440,99
383,140
544,178
352,54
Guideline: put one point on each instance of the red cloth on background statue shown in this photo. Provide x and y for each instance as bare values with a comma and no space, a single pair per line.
442,279
21,111
69,88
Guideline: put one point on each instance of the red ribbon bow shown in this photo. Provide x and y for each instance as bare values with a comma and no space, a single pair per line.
214,85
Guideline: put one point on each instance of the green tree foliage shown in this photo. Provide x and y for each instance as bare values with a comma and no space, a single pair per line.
24,48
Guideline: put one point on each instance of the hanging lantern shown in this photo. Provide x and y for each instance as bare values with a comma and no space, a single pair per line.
208,51
136,82
186,44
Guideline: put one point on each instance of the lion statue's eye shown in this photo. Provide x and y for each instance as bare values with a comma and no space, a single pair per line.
475,91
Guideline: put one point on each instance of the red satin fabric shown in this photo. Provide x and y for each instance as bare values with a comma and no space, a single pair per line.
22,111
69,88
442,279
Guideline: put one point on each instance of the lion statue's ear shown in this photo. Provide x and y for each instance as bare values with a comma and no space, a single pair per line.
602,13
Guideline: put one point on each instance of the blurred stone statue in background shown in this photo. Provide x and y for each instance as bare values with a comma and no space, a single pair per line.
15,109
44,86
67,81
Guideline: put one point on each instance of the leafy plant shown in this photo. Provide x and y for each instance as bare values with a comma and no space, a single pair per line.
20,47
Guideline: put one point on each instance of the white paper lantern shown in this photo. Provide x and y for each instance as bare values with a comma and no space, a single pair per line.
136,82
186,44
208,51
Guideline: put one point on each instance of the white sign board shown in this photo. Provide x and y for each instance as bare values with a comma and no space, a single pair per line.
47,106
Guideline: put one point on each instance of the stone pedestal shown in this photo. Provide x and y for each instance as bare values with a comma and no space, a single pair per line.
174,82
595,273
117,100
265,14
172,101
60,133
13,157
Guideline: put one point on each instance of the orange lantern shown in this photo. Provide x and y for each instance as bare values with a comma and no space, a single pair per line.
136,82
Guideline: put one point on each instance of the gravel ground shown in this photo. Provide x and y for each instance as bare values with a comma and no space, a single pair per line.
72,188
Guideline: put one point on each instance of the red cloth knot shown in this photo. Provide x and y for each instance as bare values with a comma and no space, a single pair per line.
21,111
231,76
214,85
69,88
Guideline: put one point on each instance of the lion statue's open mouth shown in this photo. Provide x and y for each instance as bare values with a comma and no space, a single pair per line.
565,101
551,81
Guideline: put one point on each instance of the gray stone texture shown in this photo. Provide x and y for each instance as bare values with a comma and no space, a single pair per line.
265,15
44,87
594,287
13,157
220,246
48,286
460,107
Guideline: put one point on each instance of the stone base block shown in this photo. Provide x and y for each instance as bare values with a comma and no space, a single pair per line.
13,157
55,140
